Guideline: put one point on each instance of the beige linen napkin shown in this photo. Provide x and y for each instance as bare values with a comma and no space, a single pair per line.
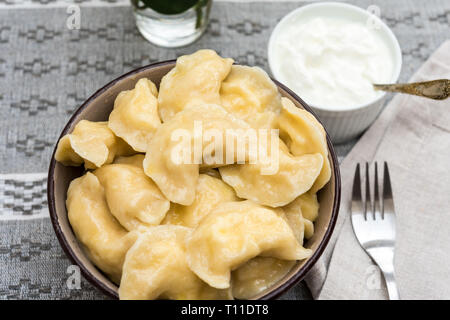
413,135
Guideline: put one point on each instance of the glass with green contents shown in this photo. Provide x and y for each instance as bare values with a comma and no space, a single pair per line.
171,23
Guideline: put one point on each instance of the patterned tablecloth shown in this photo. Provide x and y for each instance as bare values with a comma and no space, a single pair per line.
47,71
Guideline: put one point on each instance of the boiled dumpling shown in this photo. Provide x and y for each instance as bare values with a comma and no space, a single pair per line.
137,160
248,91
171,159
104,239
257,275
156,267
196,79
65,154
310,206
307,207
235,232
135,115
210,192
134,199
304,134
295,219
295,176
92,143
309,228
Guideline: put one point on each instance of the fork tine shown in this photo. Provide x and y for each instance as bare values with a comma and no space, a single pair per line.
388,200
357,207
376,197
368,202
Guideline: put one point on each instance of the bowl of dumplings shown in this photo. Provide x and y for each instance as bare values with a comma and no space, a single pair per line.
194,179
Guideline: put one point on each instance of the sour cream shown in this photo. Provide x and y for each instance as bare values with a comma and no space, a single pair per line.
332,62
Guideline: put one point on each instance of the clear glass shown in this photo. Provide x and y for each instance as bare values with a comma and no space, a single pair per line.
172,30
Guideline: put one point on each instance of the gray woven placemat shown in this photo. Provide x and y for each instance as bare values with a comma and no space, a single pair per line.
47,70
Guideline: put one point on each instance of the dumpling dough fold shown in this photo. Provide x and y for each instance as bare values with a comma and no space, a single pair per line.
91,143
210,192
248,92
303,210
103,238
135,115
196,79
133,198
171,160
295,176
304,134
156,267
235,232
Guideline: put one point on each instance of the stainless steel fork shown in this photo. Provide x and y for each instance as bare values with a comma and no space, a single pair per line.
374,224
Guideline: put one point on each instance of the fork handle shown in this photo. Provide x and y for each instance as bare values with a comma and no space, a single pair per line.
391,285
384,258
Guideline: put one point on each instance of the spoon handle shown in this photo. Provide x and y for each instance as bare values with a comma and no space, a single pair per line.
435,89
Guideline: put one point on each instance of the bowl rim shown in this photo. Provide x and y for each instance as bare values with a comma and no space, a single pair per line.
112,293
396,49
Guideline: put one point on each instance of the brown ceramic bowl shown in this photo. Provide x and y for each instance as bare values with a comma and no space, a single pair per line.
98,108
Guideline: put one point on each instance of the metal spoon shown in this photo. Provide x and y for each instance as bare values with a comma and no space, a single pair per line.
435,89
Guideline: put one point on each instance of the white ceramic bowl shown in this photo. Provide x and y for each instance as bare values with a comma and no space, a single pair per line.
345,124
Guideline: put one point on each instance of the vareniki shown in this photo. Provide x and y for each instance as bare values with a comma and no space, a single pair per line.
203,188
